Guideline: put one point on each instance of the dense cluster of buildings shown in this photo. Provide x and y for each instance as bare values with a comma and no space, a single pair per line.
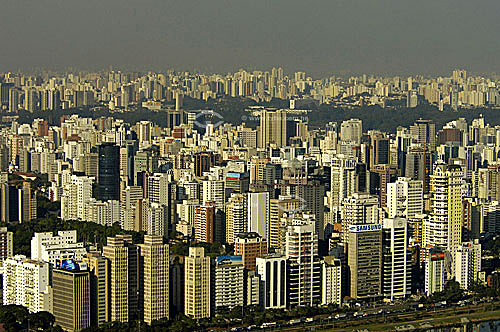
127,90
308,216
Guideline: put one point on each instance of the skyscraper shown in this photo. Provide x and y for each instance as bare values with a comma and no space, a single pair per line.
71,298
468,263
258,214
154,283
117,255
358,209
273,272
396,261
229,282
250,246
272,128
405,198
444,228
108,186
304,288
364,258
197,284
236,216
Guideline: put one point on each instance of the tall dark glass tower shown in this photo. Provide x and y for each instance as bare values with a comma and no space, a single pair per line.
108,186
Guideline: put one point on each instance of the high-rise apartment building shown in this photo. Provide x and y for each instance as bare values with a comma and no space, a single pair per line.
304,283
435,271
154,283
236,216
229,282
405,198
444,228
6,243
99,290
118,259
467,263
272,128
331,281
197,294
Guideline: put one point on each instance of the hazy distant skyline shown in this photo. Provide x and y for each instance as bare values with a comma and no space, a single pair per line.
321,37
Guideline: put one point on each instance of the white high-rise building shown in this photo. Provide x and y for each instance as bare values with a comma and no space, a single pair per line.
358,209
304,287
467,263
434,272
258,214
272,270
229,282
351,130
24,283
48,247
331,281
396,263
214,191
444,227
343,179
76,194
405,198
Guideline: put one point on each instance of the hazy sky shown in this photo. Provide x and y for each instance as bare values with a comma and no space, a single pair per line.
319,36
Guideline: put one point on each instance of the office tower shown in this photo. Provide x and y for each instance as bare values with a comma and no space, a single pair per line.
249,245
424,132
237,182
304,287
364,258
313,194
434,271
50,248
229,282
197,284
24,282
284,205
6,244
343,179
71,297
252,289
379,150
154,283
331,281
203,161
99,292
272,128
145,161
405,198
444,229
118,265
468,263
418,165
236,216
108,183
396,260
358,209
273,272
258,214
351,130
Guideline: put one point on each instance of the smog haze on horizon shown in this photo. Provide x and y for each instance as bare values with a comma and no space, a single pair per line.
319,37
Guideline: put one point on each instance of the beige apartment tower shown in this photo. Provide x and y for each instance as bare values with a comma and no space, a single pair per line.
197,284
117,255
99,290
154,258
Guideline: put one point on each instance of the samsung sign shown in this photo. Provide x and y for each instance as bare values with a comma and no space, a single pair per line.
365,228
